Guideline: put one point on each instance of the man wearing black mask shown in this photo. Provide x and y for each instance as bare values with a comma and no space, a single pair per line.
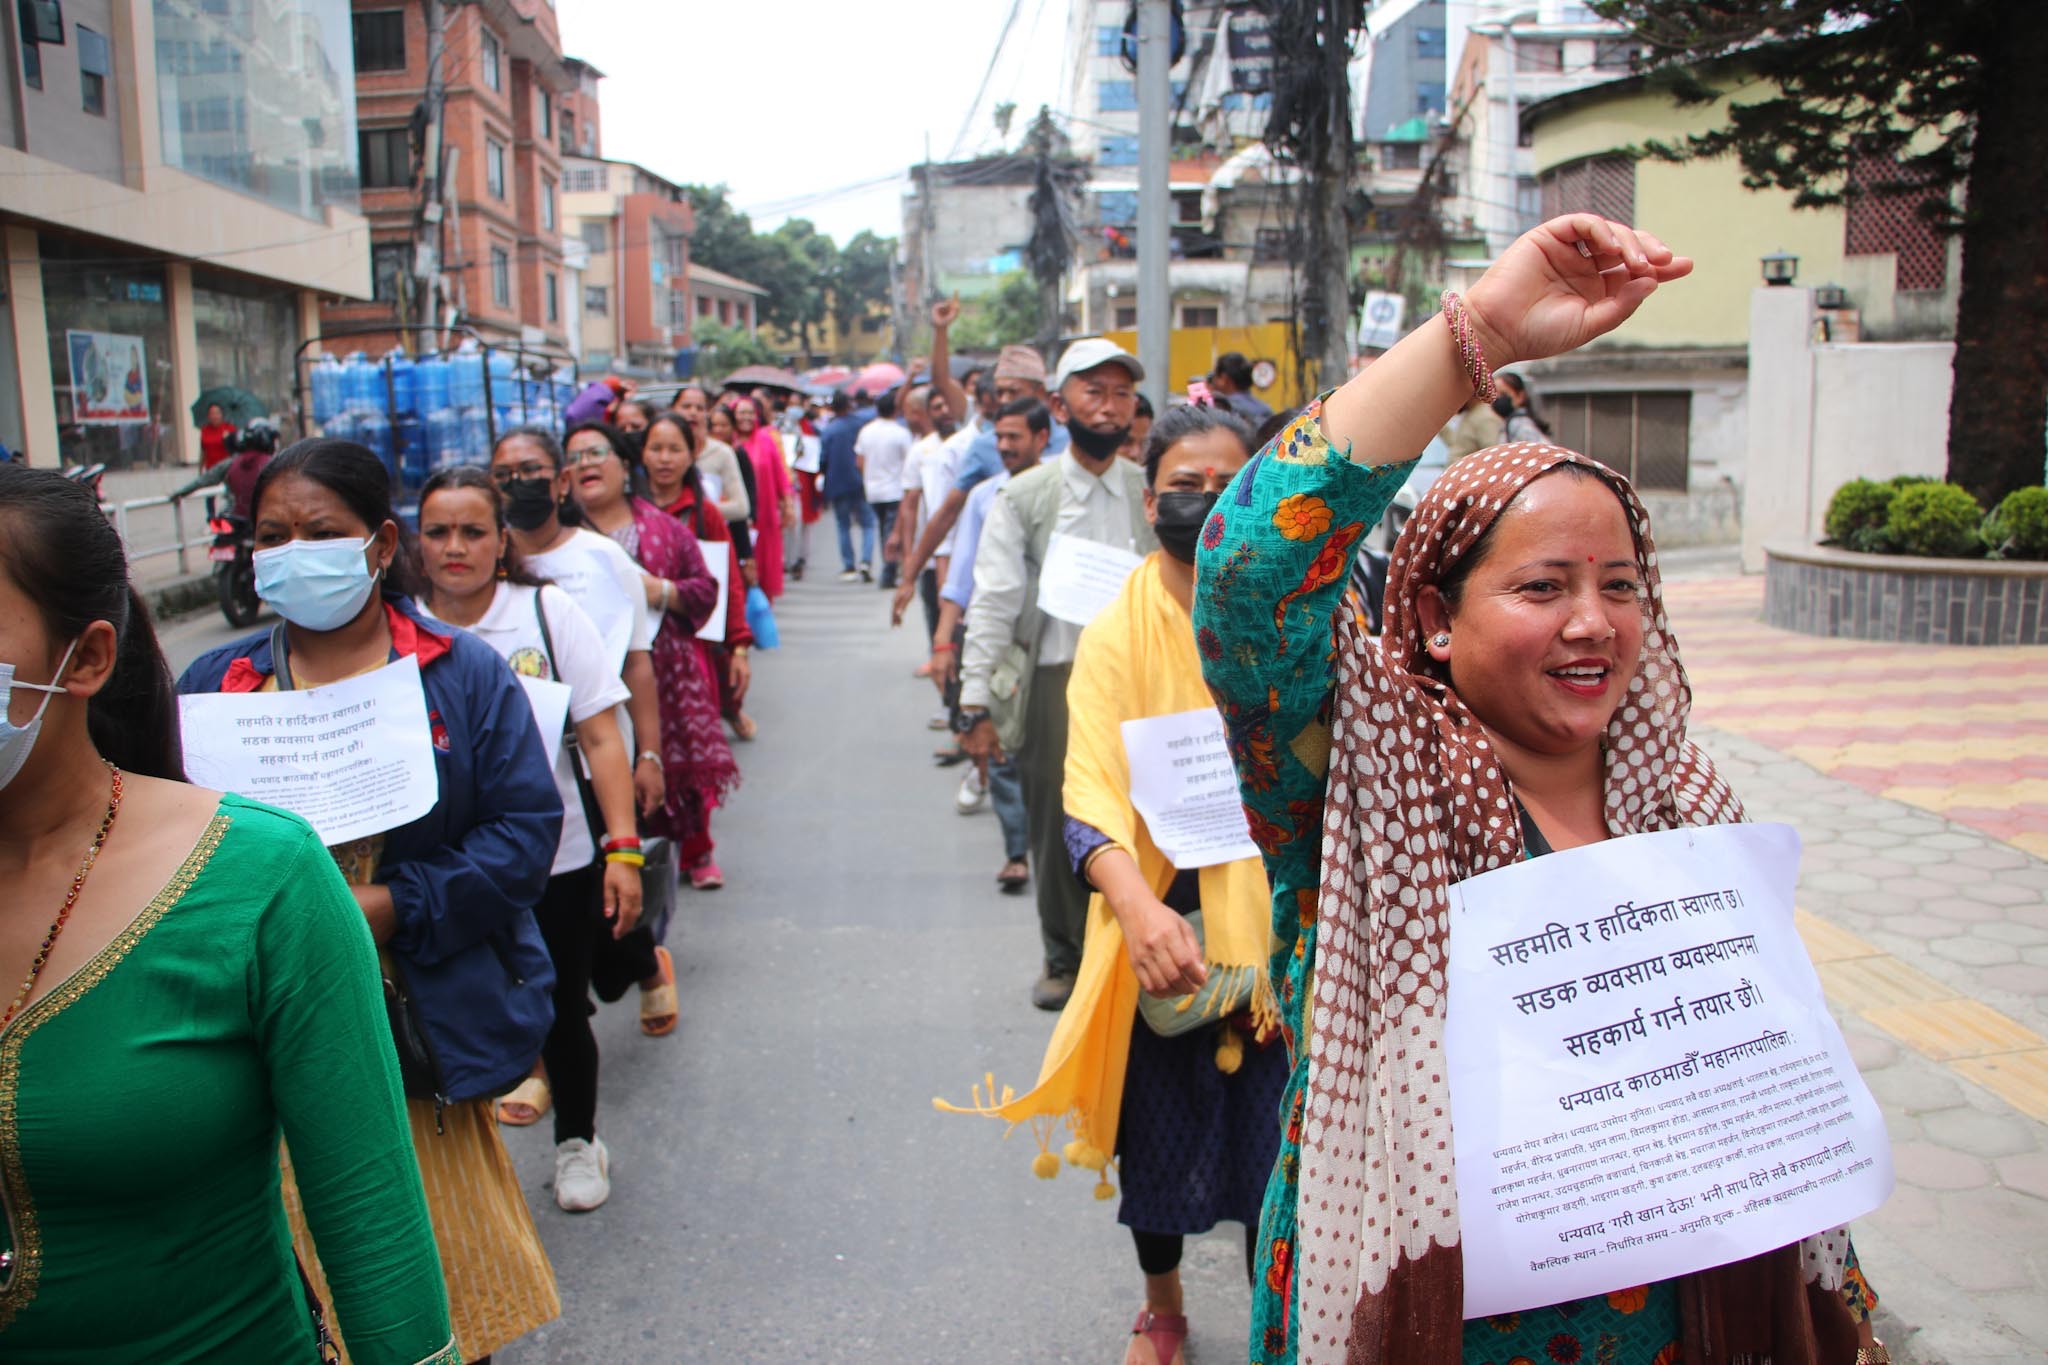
1015,660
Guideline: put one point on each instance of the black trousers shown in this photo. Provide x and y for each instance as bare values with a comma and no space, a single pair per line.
1159,1252
1042,763
571,919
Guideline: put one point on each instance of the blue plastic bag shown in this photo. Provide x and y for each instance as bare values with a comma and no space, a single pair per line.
761,620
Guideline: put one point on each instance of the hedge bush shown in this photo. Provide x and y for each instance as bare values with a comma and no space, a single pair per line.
1858,505
1937,520
2018,527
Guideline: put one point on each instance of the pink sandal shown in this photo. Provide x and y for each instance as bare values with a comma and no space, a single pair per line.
1168,1333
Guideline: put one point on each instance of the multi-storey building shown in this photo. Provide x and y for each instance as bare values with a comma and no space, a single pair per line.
490,244
180,192
636,302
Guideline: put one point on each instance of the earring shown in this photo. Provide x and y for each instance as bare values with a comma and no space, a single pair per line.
1441,640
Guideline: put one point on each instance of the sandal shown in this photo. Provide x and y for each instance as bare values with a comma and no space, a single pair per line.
1166,1332
658,1012
1015,876
527,1104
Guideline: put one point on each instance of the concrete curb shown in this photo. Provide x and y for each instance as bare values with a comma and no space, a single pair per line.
174,597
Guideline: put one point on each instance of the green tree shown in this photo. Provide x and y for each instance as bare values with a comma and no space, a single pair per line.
721,349
861,279
1007,317
811,259
1954,91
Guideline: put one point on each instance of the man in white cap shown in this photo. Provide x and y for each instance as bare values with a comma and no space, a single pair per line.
1086,493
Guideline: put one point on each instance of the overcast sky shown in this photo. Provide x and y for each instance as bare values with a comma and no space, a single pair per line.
792,102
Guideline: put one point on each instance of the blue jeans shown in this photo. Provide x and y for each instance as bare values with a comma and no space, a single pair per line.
847,509
1006,796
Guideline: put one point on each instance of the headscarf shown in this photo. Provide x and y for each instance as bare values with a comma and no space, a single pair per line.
1417,801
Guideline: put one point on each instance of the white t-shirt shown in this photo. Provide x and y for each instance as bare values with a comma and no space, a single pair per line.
882,446
605,582
511,628
935,463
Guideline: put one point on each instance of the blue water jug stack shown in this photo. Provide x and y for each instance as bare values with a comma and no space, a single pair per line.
361,384
326,379
444,438
476,434
430,383
403,374
373,429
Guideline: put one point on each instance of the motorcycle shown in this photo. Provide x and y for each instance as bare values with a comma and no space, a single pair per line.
234,538
234,567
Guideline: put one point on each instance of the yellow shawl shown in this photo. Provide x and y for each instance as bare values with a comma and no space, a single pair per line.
1137,659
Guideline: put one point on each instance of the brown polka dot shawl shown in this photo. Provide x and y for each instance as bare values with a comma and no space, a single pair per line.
1417,800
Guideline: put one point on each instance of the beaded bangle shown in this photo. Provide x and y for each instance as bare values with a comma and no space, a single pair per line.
627,856
1460,323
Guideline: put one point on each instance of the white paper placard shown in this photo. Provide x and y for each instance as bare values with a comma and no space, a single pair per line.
550,701
353,758
810,454
719,561
1080,577
1183,784
1645,1079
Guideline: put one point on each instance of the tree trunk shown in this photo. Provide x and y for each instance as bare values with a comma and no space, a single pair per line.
1999,407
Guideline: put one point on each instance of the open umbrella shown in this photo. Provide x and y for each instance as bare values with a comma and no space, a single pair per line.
830,377
238,406
749,376
879,378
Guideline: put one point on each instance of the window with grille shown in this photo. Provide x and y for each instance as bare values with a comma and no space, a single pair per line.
553,292
547,203
1646,435
1198,315
389,262
1400,156
1884,217
494,169
547,114
597,235
1109,40
1117,97
1613,54
568,132
384,156
493,62
1605,185
501,277
1118,151
1539,56
380,40
596,300
1126,319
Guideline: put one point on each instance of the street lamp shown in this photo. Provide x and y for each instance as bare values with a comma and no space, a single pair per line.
1780,267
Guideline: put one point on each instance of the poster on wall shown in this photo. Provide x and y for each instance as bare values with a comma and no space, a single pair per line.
109,378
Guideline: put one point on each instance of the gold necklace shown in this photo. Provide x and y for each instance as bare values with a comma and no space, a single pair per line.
92,854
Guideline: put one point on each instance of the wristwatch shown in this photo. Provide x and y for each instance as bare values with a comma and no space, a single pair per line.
645,754
964,720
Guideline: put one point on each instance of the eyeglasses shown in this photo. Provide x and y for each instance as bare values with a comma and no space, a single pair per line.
589,455
511,473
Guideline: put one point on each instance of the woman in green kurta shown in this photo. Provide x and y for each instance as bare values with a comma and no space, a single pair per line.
188,980
1526,696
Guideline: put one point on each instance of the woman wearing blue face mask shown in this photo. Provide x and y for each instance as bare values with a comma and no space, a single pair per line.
183,977
447,897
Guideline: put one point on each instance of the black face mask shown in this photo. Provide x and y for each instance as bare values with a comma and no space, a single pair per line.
1178,519
528,503
1097,445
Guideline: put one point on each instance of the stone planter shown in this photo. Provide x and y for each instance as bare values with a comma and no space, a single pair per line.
1817,590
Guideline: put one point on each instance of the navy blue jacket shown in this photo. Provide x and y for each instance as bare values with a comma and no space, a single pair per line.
465,876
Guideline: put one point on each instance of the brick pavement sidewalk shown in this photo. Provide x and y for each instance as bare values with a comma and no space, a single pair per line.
1907,771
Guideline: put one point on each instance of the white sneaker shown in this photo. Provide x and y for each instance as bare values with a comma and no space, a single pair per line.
940,720
583,1174
973,793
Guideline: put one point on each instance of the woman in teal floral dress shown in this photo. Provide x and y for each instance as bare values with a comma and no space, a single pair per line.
1527,697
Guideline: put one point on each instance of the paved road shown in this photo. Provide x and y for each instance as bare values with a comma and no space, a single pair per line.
783,1190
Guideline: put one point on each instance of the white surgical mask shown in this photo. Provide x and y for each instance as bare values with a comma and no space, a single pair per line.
315,584
17,740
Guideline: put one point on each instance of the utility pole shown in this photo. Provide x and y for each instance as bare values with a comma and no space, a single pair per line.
429,236
1330,175
1155,145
